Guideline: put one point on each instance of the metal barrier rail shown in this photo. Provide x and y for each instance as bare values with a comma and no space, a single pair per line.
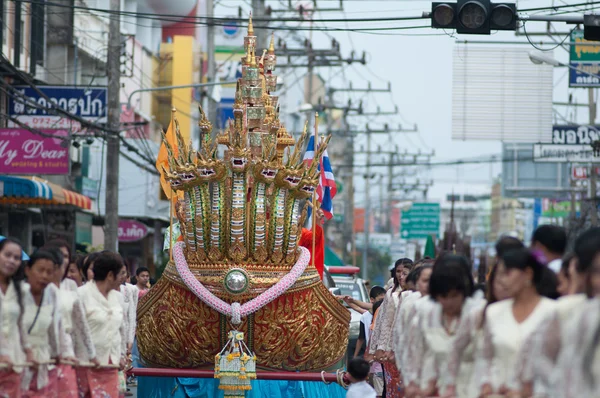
209,374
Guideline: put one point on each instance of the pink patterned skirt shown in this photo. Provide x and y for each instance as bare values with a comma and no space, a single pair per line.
50,390
393,381
10,384
67,381
98,383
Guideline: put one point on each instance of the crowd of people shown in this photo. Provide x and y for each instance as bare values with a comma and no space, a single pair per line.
67,322
530,329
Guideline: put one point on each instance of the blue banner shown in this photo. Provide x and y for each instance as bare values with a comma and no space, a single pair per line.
80,101
584,74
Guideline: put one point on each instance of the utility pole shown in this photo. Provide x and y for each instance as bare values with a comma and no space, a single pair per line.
367,209
211,67
113,68
261,33
593,176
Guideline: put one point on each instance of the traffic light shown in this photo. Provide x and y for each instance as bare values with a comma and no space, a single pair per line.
474,16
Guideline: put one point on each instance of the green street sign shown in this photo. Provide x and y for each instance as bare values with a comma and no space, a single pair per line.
340,186
583,53
420,221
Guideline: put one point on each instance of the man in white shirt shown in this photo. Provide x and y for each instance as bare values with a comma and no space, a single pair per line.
551,242
358,372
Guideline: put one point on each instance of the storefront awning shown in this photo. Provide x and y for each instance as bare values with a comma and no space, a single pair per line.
34,191
77,199
17,190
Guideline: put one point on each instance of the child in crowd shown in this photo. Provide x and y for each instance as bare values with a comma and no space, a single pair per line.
376,294
358,372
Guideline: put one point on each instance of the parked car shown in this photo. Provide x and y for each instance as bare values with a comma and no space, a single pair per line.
350,285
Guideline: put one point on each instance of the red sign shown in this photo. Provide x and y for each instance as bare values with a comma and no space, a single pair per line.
132,231
23,152
582,172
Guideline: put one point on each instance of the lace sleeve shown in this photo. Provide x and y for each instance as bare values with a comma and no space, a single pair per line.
464,336
56,331
132,315
397,334
123,333
374,340
487,353
80,325
385,335
414,349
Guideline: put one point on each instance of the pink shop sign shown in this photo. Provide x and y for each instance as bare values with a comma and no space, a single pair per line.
132,231
23,152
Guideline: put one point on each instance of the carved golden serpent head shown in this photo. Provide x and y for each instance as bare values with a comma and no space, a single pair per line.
310,179
266,169
239,151
208,168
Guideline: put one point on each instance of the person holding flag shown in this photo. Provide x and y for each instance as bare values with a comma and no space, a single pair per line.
313,239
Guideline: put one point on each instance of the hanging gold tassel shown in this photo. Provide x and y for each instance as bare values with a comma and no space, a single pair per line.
235,366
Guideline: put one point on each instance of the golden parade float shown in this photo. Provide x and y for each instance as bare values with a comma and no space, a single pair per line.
240,293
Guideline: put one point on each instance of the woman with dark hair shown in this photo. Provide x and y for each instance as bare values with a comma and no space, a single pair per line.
41,320
509,322
577,323
406,312
74,329
14,347
382,340
88,266
75,270
467,344
450,289
104,312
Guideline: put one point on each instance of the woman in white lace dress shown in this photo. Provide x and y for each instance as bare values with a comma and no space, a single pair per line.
75,333
103,307
41,321
14,348
381,344
509,322
405,320
577,370
450,289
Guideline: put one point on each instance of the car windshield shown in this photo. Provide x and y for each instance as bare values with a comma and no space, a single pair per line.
350,289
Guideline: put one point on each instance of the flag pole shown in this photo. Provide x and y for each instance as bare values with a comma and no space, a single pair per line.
171,229
314,198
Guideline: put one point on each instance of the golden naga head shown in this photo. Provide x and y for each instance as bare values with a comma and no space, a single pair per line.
266,169
207,167
310,180
239,152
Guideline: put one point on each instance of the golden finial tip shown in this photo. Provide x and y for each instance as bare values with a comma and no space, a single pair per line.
272,44
250,26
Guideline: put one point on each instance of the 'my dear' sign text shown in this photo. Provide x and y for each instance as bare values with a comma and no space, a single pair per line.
23,152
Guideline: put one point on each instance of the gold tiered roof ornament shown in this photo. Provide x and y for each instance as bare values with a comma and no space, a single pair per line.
239,261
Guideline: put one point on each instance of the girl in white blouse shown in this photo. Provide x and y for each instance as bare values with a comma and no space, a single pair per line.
577,370
41,321
104,312
14,348
508,323
75,332
450,289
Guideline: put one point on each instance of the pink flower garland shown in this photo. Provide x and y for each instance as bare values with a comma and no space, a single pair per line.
236,310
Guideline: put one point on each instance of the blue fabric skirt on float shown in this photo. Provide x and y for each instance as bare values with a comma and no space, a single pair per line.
181,387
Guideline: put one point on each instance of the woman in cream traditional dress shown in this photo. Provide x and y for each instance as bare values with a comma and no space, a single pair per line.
381,342
103,307
577,370
14,348
74,328
41,321
450,289
509,322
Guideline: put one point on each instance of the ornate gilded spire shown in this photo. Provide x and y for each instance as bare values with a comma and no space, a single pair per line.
272,44
250,26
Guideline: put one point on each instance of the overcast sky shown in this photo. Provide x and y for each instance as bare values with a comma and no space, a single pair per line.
418,63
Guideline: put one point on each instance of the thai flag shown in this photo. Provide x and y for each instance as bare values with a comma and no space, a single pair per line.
327,188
